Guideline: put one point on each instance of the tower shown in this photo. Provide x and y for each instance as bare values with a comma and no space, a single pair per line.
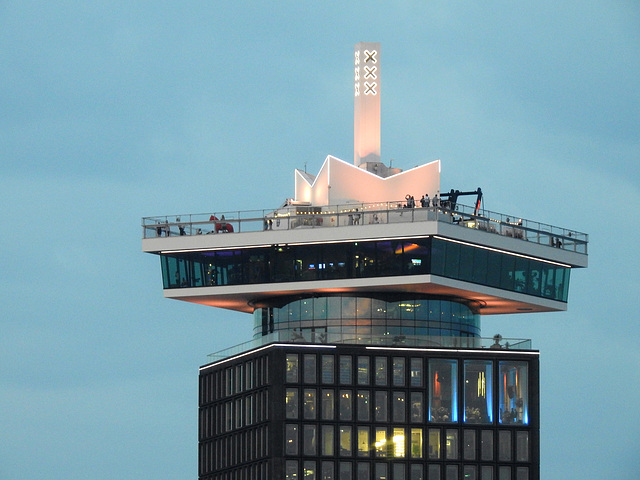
367,359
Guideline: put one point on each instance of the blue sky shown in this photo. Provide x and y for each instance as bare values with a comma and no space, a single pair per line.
111,111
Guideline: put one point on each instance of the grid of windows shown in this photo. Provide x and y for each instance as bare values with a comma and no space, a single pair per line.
295,263
357,413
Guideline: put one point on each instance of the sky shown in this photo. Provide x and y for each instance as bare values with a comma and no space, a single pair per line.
113,111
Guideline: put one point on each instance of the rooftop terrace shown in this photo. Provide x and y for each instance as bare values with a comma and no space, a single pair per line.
302,215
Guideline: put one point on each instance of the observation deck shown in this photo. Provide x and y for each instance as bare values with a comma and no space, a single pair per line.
496,263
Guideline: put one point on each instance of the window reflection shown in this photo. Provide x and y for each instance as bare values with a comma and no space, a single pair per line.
443,392
513,400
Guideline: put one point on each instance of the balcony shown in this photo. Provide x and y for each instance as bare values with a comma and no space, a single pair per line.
305,216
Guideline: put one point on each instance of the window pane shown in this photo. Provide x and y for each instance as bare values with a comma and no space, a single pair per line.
486,472
345,370
381,442
416,443
381,471
416,372
443,391
291,468
291,440
327,404
398,371
399,442
364,406
327,368
486,445
434,472
522,446
504,446
345,441
522,473
417,407
363,471
470,472
363,370
363,441
346,401
346,470
309,407
327,440
469,437
452,444
398,471
417,472
309,470
478,394
292,368
514,399
309,373
434,443
399,407
381,411
327,472
504,473
310,440
381,371
451,472
291,403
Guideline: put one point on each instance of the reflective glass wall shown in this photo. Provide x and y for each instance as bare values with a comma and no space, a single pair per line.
348,315
383,258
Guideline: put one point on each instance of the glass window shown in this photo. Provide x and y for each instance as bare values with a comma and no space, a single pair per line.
381,409
522,446
398,471
310,440
398,371
470,472
345,441
486,472
327,471
291,470
364,406
522,473
363,370
434,444
381,471
514,399
346,405
416,372
433,471
443,391
363,471
504,473
363,441
291,403
416,443
504,446
381,442
327,440
417,472
486,445
478,394
346,471
292,368
451,472
309,373
381,370
399,407
291,439
345,370
310,404
327,403
309,470
417,407
451,444
399,442
327,369
469,450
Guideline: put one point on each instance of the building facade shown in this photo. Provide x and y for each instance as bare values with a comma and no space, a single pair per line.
367,359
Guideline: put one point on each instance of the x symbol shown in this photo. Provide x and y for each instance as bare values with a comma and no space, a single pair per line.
357,89
370,72
357,74
370,88
370,55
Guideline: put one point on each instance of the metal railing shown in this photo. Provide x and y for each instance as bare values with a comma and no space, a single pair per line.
307,216
424,341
